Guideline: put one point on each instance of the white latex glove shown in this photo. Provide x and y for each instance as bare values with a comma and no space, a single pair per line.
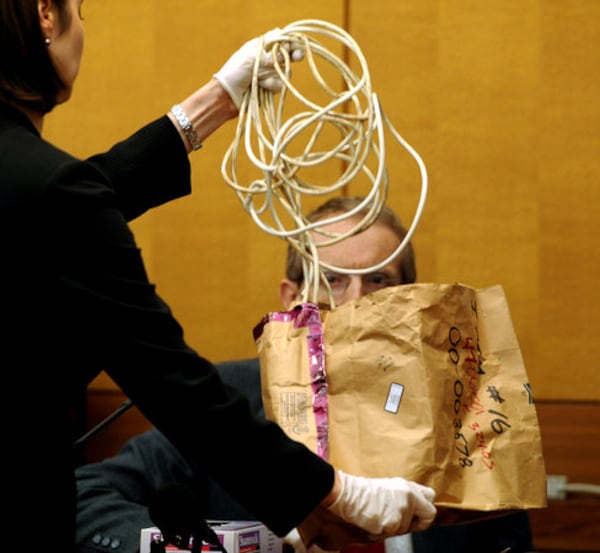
293,538
236,75
384,507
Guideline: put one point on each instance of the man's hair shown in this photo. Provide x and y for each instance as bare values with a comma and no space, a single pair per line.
28,78
344,204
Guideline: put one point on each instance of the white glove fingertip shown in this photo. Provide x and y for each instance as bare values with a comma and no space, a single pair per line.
297,54
273,84
429,493
293,538
423,520
418,525
424,515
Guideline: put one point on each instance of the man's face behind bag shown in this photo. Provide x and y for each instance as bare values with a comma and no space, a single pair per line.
360,251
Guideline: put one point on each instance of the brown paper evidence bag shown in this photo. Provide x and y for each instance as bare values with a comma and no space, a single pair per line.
422,381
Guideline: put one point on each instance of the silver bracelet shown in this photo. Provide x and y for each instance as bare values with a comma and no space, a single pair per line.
186,126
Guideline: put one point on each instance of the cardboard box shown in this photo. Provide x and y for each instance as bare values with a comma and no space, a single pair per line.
235,536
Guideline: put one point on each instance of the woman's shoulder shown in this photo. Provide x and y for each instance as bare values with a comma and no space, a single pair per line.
29,166
23,148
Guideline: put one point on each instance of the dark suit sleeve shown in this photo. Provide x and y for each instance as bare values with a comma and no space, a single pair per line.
110,308
137,170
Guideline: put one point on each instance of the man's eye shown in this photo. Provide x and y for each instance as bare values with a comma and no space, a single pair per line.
378,279
332,278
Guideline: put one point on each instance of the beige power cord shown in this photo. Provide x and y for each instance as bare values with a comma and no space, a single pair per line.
270,134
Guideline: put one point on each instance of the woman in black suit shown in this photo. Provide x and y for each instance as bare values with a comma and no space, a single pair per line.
76,300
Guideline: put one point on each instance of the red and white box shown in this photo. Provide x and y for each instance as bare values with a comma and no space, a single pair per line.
235,536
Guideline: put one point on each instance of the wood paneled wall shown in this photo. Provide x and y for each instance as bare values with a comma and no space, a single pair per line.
500,98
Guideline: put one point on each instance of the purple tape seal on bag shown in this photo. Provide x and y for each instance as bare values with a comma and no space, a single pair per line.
308,315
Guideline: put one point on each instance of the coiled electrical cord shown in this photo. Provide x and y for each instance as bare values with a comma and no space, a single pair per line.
354,113
269,133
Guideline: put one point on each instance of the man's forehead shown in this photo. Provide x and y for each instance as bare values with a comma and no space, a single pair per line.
338,227
359,251
332,230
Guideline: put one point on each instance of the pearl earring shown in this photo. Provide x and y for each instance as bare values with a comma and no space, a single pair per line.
47,41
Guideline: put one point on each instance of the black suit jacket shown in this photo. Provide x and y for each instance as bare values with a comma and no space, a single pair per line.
76,300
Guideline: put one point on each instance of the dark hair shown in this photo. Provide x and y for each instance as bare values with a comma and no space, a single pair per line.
28,78
344,204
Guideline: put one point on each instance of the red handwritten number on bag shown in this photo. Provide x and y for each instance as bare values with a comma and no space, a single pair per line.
486,455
